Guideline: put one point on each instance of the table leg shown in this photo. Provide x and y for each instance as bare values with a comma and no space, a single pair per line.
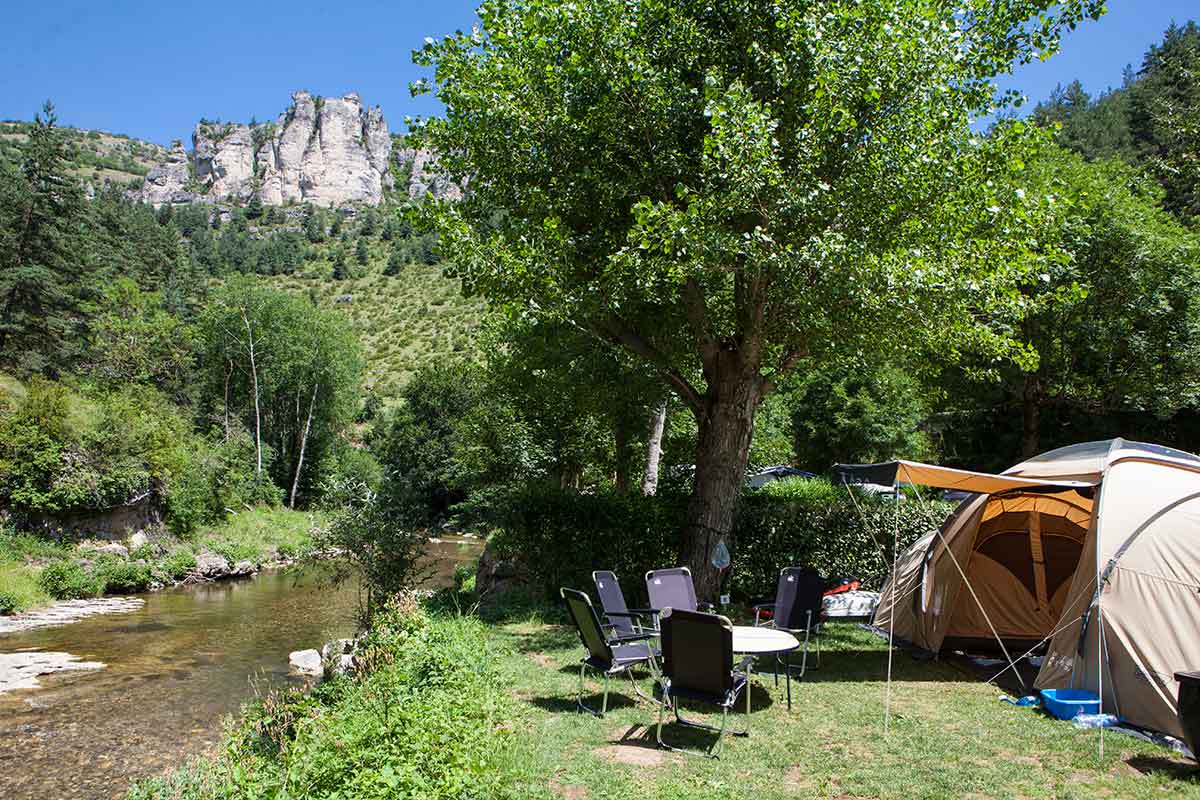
787,668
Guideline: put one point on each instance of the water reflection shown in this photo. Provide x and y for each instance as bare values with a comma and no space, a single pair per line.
175,667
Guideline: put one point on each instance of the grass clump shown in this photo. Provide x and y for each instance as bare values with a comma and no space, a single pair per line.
426,716
69,580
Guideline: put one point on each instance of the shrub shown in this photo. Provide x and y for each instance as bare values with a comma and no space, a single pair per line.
9,603
118,576
562,536
68,580
177,564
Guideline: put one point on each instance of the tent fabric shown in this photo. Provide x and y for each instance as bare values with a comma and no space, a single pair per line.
1035,557
915,473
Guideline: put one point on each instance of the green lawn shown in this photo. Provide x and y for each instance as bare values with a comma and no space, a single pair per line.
949,735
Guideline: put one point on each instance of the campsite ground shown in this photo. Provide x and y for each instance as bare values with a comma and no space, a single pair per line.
949,735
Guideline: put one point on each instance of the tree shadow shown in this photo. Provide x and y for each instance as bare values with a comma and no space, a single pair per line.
1184,771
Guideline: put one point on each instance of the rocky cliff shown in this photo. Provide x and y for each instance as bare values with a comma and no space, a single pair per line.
326,151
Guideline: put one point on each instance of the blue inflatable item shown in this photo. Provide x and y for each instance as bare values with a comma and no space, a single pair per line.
1069,703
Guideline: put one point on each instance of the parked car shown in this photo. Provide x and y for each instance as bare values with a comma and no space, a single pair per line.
762,477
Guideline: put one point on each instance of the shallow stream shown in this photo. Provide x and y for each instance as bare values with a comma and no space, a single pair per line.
175,668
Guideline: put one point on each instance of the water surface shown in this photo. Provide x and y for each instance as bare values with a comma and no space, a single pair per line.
176,667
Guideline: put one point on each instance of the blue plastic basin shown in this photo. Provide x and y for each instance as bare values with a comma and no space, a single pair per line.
1069,703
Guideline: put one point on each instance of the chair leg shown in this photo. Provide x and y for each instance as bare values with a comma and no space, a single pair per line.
604,701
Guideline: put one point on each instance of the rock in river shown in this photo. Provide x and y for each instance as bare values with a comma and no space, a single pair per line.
21,670
212,565
306,662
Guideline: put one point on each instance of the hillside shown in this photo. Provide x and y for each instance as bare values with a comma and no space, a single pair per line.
95,156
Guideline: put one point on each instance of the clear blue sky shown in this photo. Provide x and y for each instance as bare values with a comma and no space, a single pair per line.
152,69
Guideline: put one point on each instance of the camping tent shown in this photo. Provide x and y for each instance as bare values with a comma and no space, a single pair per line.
1021,562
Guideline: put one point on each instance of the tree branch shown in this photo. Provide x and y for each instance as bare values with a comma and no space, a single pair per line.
616,330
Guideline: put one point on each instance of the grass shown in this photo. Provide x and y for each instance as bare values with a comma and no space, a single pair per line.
949,736
258,536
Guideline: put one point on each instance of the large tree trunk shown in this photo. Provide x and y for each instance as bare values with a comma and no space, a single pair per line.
303,444
1031,416
658,421
722,452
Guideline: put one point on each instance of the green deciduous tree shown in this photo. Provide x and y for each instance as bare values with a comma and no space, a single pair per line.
735,190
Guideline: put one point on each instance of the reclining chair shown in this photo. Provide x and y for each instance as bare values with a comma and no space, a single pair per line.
607,655
697,651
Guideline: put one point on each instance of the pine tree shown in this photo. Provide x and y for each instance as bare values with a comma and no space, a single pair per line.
340,273
395,262
361,254
41,269
314,225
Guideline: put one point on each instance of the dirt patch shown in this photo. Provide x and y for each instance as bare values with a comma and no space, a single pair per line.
568,791
635,746
542,660
798,779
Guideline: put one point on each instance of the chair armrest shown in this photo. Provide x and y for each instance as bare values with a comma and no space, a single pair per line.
637,637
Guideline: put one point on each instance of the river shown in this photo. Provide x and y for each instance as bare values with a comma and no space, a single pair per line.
176,668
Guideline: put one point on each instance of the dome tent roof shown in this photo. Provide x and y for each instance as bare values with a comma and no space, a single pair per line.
1088,460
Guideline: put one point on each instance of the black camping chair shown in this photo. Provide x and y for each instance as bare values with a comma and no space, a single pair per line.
797,609
673,588
697,651
607,655
626,621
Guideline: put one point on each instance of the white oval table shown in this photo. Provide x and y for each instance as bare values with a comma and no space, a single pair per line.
750,640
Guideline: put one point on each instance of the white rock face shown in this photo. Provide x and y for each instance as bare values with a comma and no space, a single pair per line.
167,183
425,176
224,159
68,611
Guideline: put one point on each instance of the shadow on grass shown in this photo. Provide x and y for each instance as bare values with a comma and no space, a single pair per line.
618,697
1185,771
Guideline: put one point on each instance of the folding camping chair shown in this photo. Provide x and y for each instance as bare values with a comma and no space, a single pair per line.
797,609
607,655
697,652
673,588
626,621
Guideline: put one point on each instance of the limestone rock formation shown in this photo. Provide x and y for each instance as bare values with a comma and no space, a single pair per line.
425,179
326,151
224,159
167,183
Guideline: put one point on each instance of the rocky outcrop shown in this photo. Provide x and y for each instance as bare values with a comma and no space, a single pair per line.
425,179
326,151
212,565
20,670
306,662
223,155
66,612
168,182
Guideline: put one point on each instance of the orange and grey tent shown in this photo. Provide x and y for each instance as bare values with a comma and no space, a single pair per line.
1093,549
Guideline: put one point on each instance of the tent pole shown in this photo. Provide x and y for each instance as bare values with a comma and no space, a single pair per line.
887,702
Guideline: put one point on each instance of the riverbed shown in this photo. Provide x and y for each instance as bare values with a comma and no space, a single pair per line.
175,668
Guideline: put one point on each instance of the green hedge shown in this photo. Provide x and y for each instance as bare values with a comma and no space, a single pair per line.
561,536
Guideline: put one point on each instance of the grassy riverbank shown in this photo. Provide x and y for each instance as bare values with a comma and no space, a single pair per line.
463,708
35,571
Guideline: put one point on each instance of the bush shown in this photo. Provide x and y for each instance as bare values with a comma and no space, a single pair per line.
426,716
177,564
9,603
68,580
562,535
118,576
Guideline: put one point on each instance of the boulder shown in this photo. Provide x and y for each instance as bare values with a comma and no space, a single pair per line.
114,549
139,539
244,567
212,565
306,662
496,577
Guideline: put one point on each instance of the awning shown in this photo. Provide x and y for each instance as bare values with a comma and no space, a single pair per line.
891,473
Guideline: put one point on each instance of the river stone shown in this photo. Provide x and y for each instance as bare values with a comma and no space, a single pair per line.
115,549
243,567
139,539
21,670
306,662
212,565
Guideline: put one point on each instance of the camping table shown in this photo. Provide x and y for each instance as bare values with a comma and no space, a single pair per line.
750,640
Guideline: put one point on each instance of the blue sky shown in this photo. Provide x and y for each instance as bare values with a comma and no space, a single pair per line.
151,69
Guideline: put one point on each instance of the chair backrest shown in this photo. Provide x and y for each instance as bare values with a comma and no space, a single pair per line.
612,599
798,592
697,651
671,588
583,614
